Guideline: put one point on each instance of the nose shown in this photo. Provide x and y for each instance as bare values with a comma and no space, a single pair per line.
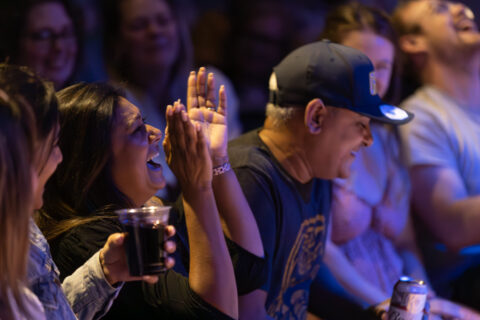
154,28
154,134
367,137
57,43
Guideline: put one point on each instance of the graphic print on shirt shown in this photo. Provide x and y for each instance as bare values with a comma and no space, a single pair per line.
302,266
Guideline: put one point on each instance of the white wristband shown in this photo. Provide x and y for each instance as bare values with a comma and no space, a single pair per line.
221,169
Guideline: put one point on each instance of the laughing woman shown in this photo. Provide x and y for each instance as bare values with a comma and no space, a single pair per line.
108,152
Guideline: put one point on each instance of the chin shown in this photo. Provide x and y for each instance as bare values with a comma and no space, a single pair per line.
155,186
156,179
38,204
344,174
59,83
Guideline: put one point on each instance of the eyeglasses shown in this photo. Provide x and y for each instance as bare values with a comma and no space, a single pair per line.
439,7
48,36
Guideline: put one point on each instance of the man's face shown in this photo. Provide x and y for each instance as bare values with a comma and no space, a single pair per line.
447,28
344,132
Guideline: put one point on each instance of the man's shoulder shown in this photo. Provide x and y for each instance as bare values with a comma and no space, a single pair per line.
248,151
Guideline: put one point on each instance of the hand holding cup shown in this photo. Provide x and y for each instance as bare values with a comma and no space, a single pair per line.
113,258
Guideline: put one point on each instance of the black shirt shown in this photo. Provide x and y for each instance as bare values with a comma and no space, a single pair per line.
170,298
292,218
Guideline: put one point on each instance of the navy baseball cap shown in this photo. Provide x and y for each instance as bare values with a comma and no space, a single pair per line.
339,75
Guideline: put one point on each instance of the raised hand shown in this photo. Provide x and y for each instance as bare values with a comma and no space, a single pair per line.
186,150
202,109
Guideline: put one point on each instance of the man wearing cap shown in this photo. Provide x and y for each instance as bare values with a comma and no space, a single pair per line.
442,145
322,97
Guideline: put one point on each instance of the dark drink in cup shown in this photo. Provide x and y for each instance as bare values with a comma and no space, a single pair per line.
145,239
148,257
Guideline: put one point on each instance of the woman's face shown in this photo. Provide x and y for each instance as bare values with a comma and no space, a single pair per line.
48,44
134,145
149,34
380,51
49,158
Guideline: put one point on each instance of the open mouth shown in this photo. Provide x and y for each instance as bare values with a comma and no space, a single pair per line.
466,25
152,165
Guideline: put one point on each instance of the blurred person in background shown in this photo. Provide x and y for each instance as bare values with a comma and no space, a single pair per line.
43,35
260,35
441,45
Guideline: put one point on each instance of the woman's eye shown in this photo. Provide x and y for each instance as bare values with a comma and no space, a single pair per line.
140,128
138,24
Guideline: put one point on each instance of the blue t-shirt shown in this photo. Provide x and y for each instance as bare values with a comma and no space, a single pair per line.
292,219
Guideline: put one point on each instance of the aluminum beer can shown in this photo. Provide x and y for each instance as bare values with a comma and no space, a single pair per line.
408,300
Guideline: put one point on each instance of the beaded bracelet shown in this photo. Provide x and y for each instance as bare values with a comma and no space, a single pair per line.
221,169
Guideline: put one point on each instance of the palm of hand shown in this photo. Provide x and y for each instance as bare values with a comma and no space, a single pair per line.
214,128
183,141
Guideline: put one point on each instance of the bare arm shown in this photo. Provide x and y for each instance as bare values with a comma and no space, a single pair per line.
252,306
396,203
349,278
412,259
347,205
414,268
440,197
237,219
211,273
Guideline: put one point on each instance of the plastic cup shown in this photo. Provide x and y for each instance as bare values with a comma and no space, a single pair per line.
145,239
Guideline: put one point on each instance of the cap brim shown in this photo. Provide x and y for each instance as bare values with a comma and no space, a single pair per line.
386,113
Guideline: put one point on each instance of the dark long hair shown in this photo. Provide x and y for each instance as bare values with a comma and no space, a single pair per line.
82,188
13,20
22,83
27,120
17,131
355,16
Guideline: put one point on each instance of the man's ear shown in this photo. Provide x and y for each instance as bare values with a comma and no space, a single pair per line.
315,113
412,44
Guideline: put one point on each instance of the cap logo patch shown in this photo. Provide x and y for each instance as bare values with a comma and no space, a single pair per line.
393,113
373,83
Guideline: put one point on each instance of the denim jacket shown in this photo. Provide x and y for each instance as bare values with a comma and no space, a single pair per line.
85,294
